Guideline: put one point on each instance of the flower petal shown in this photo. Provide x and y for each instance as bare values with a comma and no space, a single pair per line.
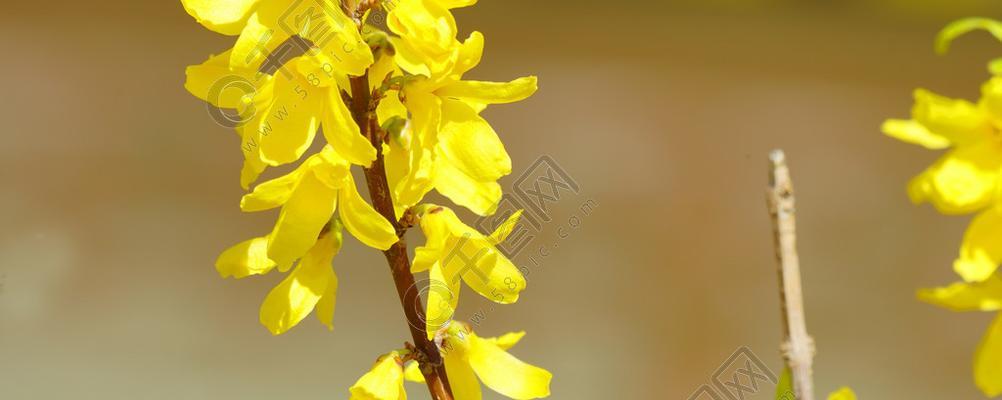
962,181
490,92
222,16
915,133
292,120
343,133
443,298
506,374
957,120
981,251
326,304
960,296
245,259
988,360
293,299
462,379
273,193
385,381
302,219
363,221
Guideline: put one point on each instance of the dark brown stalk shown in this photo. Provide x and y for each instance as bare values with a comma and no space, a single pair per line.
379,190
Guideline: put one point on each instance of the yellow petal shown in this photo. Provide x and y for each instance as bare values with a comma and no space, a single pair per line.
450,4
302,218
481,197
385,381
326,304
981,251
496,278
470,53
412,372
324,25
960,121
297,295
292,119
214,82
247,258
991,97
471,144
363,221
988,360
223,16
913,132
462,379
443,298
984,296
962,181
343,133
506,228
255,43
507,340
273,193
506,374
490,92
842,394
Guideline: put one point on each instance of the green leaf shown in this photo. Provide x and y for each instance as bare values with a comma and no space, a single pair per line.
784,389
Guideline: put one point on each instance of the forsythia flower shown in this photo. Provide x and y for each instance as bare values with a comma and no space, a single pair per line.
450,147
982,296
469,357
385,381
274,21
456,252
965,179
309,196
312,284
842,394
280,114
417,127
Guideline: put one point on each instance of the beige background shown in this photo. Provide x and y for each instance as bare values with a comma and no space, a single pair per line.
119,191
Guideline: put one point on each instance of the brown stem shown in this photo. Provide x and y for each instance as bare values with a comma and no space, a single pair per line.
797,347
379,190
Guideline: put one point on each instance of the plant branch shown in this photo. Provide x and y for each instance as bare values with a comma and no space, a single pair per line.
432,366
797,347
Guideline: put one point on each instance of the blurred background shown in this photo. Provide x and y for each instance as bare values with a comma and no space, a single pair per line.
119,191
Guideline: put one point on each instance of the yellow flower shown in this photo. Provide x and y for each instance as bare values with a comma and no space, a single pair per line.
469,357
983,296
385,381
427,33
842,394
448,146
965,179
312,284
280,114
264,24
456,252
308,197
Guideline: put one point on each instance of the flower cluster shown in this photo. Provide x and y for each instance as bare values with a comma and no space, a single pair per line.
965,180
393,102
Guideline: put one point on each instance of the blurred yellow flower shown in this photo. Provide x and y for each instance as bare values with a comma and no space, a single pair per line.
965,179
842,394
983,296
456,252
